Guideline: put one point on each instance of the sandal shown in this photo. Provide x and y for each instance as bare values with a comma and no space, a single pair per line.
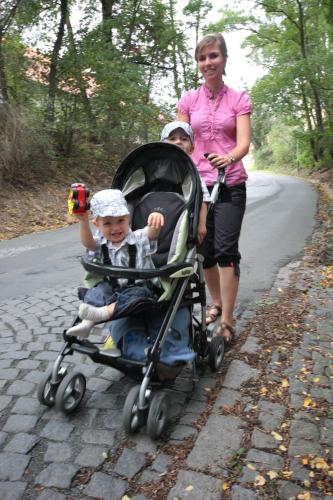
212,316
220,331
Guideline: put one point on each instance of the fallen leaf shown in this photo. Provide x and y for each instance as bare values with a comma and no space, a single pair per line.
284,382
225,486
282,447
250,466
189,487
304,496
305,460
287,474
272,474
259,481
263,390
307,402
277,436
125,497
307,483
316,380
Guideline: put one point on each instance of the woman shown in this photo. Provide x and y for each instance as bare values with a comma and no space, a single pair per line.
220,119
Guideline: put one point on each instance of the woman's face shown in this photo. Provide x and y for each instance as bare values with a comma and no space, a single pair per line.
211,62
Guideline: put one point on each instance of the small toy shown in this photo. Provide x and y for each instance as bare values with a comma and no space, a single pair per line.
78,198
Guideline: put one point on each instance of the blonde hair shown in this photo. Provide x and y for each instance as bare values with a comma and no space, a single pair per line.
210,39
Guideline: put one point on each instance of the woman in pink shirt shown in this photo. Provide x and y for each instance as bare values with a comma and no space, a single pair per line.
220,119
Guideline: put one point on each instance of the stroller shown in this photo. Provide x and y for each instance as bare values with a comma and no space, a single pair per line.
154,177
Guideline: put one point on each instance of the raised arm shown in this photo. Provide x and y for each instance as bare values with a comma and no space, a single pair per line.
154,223
86,236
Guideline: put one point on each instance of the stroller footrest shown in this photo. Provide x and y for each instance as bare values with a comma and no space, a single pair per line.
85,347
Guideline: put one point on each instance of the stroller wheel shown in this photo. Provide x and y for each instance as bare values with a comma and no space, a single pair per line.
70,392
158,415
131,417
216,353
46,391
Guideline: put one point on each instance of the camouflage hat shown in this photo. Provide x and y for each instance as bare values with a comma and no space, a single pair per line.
109,202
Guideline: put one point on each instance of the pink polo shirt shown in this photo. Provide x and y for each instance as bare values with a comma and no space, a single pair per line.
214,128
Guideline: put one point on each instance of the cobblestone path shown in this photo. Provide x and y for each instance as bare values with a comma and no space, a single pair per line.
211,451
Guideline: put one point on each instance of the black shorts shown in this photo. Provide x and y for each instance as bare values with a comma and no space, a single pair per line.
224,222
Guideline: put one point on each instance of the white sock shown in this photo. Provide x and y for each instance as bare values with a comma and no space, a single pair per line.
96,314
82,329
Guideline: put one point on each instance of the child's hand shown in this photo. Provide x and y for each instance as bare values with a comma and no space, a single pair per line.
81,216
155,220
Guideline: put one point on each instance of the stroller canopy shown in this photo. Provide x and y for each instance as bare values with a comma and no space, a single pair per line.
162,168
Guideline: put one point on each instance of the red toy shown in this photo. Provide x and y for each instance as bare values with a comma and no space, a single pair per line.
78,198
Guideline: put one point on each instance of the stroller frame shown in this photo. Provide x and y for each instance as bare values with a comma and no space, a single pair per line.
143,405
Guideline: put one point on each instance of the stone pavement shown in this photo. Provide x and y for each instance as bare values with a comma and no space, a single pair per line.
262,428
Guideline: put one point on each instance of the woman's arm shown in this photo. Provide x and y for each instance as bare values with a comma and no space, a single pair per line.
182,117
243,139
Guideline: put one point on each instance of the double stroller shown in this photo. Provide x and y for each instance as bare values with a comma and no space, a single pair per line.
157,339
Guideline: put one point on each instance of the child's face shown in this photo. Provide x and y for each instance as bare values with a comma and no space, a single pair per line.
114,229
181,139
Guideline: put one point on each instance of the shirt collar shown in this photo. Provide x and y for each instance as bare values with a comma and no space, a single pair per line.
209,93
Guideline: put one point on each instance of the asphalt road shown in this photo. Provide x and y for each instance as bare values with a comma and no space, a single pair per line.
279,219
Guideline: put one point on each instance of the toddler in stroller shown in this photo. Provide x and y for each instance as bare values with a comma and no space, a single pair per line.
155,178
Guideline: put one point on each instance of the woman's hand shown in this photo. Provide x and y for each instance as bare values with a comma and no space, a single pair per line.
202,231
218,160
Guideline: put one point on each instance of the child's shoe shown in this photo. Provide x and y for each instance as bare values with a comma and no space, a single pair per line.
110,348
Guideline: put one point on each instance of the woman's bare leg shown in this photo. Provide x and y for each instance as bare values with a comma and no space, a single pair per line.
229,287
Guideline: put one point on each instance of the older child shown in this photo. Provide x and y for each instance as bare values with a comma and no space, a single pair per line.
181,134
111,217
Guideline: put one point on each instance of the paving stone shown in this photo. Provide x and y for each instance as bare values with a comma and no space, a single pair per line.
204,486
51,495
148,476
239,493
27,406
287,490
96,436
28,364
3,437
299,472
321,393
91,456
188,419
98,384
302,447
106,487
144,443
22,443
218,440
226,397
195,407
5,363
103,401
57,475
20,423
307,430
261,440
261,461
46,356
130,462
16,355
9,373
238,373
161,462
57,430
183,432
34,376
20,388
4,402
12,490
251,346
12,466
326,432
57,452
270,414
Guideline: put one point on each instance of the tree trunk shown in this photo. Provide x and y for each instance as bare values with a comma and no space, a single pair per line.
3,80
53,80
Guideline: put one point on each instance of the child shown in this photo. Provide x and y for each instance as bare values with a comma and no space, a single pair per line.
181,134
111,217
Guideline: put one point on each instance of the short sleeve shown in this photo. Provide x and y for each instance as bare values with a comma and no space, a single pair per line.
147,246
244,105
183,105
